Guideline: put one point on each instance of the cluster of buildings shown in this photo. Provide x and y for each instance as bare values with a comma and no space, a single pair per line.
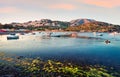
16,30
37,23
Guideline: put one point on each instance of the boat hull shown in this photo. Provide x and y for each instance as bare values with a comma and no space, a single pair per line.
10,38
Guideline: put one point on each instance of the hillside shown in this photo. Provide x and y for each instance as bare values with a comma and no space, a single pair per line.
42,22
83,25
78,22
95,26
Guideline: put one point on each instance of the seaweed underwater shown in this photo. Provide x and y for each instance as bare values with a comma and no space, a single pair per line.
19,66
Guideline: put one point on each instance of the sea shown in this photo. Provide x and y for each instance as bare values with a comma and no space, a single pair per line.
81,51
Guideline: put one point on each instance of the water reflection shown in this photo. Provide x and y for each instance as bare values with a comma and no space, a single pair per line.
87,51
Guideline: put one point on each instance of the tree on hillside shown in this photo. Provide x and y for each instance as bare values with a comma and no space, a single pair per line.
8,26
1,26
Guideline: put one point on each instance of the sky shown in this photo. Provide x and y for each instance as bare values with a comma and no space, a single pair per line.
63,10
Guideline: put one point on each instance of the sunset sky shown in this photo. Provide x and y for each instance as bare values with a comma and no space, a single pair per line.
65,10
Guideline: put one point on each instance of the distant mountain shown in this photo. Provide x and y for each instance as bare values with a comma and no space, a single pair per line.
78,22
48,22
42,22
86,25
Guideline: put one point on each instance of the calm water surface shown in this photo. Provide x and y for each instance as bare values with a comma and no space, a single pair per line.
77,50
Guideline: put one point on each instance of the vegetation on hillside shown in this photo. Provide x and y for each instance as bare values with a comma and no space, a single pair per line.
9,26
62,26
59,25
95,27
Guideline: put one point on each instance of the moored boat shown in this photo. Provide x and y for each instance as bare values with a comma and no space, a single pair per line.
99,34
60,35
12,36
107,41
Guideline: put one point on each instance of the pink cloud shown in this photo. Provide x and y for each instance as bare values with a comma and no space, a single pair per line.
63,6
103,3
8,10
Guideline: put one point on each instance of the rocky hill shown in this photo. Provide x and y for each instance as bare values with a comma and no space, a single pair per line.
94,26
42,22
78,22
87,25
48,22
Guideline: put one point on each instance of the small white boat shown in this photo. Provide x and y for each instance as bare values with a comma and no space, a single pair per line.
12,36
60,35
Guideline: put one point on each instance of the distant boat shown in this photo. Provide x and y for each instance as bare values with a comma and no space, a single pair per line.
59,35
94,33
99,34
2,31
114,33
12,36
107,41
54,35
33,33
22,33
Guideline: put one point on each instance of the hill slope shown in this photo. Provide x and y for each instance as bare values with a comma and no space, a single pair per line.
95,26
77,22
87,25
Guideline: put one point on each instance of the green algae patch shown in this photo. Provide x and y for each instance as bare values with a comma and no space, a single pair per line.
35,67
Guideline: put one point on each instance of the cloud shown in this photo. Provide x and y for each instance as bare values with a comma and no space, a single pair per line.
102,3
8,10
41,4
59,4
63,6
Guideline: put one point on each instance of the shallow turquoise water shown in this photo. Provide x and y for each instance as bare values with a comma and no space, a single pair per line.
77,50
